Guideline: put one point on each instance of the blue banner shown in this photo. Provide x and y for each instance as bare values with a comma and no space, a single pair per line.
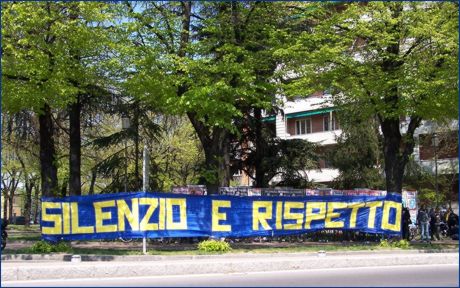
152,215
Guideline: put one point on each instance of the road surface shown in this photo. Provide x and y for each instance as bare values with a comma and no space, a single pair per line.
445,275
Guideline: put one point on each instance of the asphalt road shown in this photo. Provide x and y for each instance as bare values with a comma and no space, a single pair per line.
440,275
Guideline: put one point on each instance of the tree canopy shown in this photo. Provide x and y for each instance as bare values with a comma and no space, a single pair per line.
392,60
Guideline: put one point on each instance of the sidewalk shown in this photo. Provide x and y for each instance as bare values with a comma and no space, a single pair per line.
232,263
59,265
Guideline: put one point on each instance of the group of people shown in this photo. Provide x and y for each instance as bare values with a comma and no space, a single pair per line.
430,223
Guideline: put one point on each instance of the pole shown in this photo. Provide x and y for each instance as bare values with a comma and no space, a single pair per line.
145,186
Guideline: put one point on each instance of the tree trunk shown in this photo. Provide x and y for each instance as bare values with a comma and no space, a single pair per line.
49,181
28,201
222,140
397,150
75,148
93,181
63,190
5,203
13,185
216,146
391,144
216,142
392,139
259,167
29,180
217,154
10,205
36,204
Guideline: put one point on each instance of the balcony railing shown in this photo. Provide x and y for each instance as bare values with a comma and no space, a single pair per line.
323,138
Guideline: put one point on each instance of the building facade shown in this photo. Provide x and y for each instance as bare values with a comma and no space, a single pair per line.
313,119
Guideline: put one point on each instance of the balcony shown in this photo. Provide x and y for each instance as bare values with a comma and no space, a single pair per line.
445,166
318,176
323,175
322,138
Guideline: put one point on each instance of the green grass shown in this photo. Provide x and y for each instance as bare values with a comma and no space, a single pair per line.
21,232
192,249
23,237
32,228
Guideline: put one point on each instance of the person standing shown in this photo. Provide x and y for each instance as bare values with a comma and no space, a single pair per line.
423,219
452,223
435,224
405,223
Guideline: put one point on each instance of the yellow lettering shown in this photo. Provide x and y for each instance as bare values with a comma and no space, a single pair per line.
66,218
76,229
131,215
331,206
314,216
55,218
161,214
288,215
261,217
153,204
279,215
386,216
354,212
101,216
372,209
217,216
182,224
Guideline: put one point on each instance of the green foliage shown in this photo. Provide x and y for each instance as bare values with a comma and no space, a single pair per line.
215,72
214,246
47,247
423,179
380,59
384,243
428,196
49,51
402,244
357,156
365,51
293,158
288,158
177,159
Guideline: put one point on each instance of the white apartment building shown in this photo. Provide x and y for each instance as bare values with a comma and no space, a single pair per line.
312,119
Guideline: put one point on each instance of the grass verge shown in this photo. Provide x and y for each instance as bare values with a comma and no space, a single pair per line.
191,249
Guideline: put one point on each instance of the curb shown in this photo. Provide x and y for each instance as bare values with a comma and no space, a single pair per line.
34,271
91,258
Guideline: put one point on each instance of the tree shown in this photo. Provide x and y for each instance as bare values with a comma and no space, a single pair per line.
357,155
201,60
114,143
420,175
393,60
47,58
19,170
288,159
177,158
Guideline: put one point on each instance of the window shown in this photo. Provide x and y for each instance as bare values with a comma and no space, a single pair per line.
326,123
330,125
303,126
